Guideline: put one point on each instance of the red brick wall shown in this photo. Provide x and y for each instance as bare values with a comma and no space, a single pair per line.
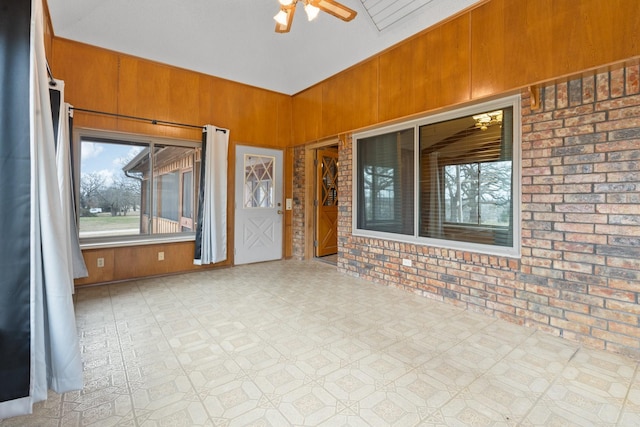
579,274
297,225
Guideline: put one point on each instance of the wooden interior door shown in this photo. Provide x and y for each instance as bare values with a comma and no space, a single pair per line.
327,202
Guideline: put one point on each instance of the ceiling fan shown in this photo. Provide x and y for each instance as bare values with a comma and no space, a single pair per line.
312,8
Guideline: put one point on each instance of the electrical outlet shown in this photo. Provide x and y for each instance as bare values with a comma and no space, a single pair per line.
406,262
100,262
160,256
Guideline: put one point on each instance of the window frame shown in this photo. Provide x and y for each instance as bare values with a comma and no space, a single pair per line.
80,134
514,250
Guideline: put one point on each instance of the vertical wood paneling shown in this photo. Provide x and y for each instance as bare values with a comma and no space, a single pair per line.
143,91
255,123
487,50
205,116
396,66
102,274
350,99
91,80
106,81
222,104
424,63
454,67
590,33
284,129
179,257
138,261
48,32
252,114
499,46
184,103
441,66
529,55
515,44
307,115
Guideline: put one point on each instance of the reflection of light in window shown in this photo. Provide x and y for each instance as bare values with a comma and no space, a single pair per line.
477,193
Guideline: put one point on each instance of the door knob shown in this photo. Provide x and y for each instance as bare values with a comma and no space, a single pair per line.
280,212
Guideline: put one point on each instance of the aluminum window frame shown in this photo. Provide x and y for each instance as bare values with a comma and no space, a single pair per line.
80,134
513,251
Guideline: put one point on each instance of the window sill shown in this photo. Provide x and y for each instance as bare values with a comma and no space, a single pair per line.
123,241
485,249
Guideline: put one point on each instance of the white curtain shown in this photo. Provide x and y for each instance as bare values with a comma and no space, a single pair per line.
65,186
55,352
214,204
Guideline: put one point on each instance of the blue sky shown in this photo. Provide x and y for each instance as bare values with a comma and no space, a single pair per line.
106,159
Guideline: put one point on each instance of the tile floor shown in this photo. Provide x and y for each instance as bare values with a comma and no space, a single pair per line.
294,343
329,259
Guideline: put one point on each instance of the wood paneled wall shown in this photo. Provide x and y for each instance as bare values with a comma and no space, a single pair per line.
103,80
107,81
130,262
494,48
497,47
48,30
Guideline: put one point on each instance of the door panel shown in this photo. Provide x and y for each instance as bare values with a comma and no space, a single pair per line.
258,207
327,206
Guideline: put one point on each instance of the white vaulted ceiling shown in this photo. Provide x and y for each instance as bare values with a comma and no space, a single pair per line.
235,39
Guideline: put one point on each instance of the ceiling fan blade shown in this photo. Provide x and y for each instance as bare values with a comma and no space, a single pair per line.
289,10
334,8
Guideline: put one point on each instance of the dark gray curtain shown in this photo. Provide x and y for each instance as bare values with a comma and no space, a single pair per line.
15,210
201,186
211,230
56,101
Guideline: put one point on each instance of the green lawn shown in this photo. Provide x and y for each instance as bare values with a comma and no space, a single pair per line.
106,222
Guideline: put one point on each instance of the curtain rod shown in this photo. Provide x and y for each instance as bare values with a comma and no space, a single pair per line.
52,81
152,121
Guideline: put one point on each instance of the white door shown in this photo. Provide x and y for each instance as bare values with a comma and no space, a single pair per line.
258,208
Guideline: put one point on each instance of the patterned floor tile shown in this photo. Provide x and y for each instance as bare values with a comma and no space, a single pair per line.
308,406
260,417
424,391
279,378
389,409
179,414
256,345
232,399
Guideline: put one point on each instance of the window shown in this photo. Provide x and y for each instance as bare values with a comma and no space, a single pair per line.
385,169
167,196
123,176
450,180
186,217
258,181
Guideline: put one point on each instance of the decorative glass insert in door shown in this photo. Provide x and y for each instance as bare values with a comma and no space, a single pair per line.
329,181
259,181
